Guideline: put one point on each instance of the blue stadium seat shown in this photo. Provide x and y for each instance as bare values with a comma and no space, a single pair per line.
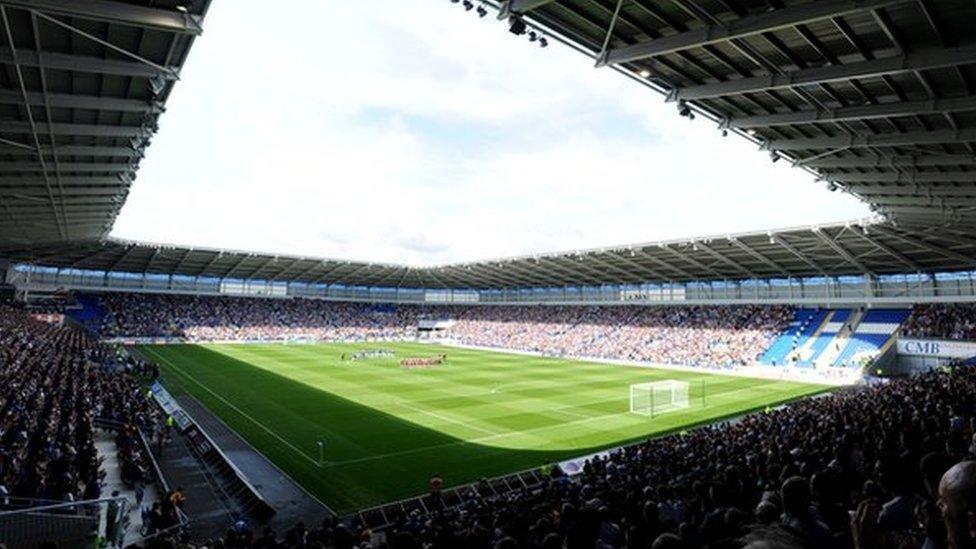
805,323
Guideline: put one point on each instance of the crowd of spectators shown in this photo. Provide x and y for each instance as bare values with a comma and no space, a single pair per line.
55,381
942,321
881,467
714,336
218,318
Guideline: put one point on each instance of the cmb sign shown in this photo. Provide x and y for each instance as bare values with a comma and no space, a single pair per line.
937,348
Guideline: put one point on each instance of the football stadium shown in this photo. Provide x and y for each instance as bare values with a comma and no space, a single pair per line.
806,386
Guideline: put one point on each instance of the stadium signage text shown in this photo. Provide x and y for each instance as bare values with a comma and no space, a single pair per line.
937,348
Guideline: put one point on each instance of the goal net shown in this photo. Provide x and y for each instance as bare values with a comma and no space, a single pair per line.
658,397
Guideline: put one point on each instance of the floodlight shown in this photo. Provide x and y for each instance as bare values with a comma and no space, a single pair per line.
644,73
533,36
157,84
516,26
481,11
468,6
543,42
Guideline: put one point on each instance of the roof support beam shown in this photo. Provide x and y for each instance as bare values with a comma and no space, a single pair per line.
900,257
113,181
71,101
904,177
459,273
665,265
834,245
734,264
121,13
625,276
238,265
94,130
744,27
94,167
75,150
921,194
860,112
913,161
33,191
510,7
914,241
628,258
78,63
756,254
910,62
687,258
879,140
798,254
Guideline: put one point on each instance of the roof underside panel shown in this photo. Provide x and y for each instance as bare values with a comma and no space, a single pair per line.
876,96
82,86
835,250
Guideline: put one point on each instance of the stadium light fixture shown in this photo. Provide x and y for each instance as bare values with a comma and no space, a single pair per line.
157,84
751,131
543,42
533,36
482,11
468,6
644,73
516,26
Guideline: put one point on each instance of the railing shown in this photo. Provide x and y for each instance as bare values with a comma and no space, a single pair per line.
75,523
160,480
230,483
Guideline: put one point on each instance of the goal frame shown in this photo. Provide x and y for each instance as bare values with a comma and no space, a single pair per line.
644,398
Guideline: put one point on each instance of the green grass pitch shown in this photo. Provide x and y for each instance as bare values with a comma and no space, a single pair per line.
387,429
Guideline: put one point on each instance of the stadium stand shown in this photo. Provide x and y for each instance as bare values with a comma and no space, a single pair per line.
942,321
874,331
805,323
58,388
717,336
829,332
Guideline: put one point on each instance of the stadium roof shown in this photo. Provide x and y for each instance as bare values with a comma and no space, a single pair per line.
876,97
83,88
832,250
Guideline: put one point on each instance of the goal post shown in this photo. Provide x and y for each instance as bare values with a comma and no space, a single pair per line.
658,397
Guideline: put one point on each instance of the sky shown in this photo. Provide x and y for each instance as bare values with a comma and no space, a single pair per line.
418,133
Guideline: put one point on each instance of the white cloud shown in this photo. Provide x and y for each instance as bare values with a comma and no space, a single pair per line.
416,132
